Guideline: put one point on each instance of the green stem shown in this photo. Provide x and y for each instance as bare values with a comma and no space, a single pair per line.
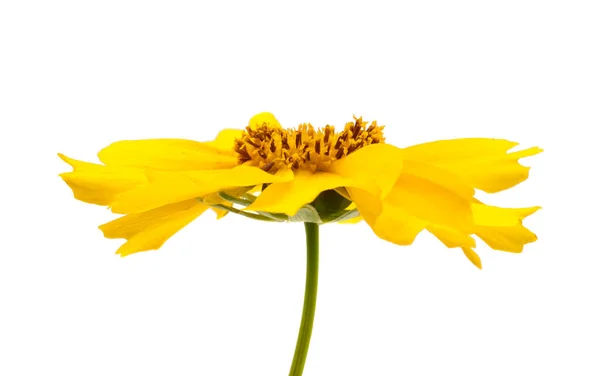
310,298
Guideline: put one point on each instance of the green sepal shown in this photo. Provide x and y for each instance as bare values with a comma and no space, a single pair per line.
276,216
342,215
307,213
247,214
329,202
328,207
244,200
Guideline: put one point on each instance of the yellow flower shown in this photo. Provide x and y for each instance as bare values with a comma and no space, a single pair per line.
308,174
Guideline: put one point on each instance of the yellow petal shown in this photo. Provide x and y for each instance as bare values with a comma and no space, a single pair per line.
170,187
149,230
368,205
351,221
290,196
98,184
387,222
221,212
397,226
400,227
451,237
215,199
493,174
431,202
374,168
225,139
264,118
168,154
485,215
439,177
458,149
509,239
423,197
480,162
472,256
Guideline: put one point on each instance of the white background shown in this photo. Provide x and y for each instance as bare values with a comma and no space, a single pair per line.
224,298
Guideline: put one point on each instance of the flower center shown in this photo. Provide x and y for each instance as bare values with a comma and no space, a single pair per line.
270,147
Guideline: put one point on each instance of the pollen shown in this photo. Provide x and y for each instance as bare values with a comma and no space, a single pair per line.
270,147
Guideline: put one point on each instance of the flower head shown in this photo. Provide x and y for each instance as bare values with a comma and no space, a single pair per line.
268,146
309,174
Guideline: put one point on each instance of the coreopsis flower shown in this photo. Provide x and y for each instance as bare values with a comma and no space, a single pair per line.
309,175
161,185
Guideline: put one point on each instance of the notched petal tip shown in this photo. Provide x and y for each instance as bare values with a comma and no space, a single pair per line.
168,154
525,152
484,163
493,216
150,230
74,163
124,251
526,212
63,157
472,256
508,239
